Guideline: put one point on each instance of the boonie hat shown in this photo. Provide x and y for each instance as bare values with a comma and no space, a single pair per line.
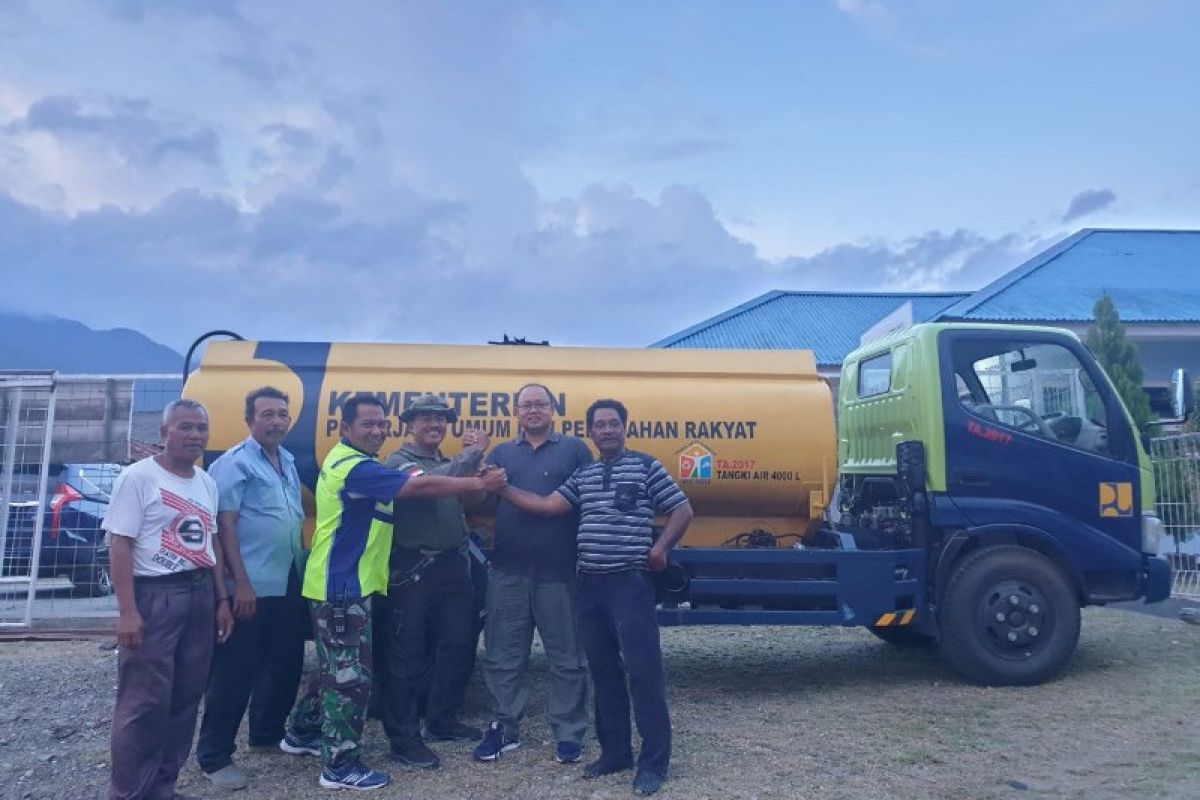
429,404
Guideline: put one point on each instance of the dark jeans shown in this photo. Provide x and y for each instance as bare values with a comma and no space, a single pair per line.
259,666
159,685
620,636
433,618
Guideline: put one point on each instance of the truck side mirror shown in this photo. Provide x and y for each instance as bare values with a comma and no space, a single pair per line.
1183,400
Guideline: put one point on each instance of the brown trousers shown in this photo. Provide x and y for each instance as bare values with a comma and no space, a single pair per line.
160,684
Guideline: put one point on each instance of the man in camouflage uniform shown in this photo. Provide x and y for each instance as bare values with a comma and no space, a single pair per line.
349,564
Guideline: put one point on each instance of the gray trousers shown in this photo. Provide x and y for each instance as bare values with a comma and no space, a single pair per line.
516,605
160,684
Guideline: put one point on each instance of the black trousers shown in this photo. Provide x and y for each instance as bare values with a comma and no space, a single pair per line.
619,631
431,643
258,667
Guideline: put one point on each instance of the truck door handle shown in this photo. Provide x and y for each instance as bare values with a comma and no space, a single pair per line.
973,477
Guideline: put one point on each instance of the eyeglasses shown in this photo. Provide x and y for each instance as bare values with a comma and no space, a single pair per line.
533,405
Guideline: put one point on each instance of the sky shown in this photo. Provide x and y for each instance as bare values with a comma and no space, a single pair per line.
582,172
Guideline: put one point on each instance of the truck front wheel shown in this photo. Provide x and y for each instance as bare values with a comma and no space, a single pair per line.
1008,617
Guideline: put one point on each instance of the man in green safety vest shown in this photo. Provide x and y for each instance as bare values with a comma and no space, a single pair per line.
349,564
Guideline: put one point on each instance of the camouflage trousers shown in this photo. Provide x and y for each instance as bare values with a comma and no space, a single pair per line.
335,702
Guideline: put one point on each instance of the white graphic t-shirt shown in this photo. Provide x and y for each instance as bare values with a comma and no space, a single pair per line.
172,520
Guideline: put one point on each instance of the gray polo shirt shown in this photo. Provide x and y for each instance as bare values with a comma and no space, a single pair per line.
528,544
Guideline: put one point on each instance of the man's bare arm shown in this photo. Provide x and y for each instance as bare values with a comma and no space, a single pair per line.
677,525
244,600
444,486
550,505
129,619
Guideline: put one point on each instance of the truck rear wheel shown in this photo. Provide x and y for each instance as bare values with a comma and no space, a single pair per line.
1009,617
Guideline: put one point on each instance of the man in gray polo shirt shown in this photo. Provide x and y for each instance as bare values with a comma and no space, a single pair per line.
530,585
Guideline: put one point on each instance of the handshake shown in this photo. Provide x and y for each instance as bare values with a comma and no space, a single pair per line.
494,478
474,437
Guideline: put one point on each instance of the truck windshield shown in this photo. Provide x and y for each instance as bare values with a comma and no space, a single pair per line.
1037,388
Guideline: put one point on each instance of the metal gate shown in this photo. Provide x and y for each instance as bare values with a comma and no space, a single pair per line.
64,439
1177,476
26,428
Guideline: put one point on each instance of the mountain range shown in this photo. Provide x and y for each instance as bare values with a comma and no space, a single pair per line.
47,342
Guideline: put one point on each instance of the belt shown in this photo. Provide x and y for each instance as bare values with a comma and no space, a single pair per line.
421,559
184,576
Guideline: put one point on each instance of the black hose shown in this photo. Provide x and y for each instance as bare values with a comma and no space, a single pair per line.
187,360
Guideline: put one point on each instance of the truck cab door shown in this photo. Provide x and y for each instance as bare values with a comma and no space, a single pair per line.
1036,438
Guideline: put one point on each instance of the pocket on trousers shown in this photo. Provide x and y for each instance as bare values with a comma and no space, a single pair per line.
343,625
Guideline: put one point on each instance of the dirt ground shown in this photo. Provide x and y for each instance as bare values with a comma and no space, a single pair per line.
757,713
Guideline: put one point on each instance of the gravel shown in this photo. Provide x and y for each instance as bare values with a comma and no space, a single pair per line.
758,712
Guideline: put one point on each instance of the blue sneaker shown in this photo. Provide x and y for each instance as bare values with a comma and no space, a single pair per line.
301,744
568,752
353,775
494,743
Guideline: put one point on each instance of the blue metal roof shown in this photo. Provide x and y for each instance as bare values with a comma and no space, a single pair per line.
828,323
1152,276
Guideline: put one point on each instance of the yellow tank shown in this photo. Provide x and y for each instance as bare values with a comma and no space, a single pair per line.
748,435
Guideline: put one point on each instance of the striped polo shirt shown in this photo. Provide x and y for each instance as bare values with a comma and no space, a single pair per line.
617,502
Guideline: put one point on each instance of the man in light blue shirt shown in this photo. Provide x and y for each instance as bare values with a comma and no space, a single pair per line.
259,529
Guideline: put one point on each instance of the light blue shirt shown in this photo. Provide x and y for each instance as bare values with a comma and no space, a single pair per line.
270,514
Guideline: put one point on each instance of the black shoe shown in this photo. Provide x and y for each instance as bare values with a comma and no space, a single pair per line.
452,731
647,782
605,766
414,753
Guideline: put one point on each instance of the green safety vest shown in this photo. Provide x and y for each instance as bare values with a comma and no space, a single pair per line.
353,537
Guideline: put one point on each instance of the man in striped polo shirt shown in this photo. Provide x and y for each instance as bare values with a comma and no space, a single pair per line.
618,498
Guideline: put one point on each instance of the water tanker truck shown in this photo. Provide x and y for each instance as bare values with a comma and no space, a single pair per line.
982,482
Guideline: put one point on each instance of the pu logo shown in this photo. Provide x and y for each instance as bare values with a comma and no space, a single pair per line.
1116,499
695,463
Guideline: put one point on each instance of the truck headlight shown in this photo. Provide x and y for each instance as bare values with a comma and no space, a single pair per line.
1152,534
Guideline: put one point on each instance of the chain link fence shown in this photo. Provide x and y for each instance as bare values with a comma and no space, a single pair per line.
63,442
1177,475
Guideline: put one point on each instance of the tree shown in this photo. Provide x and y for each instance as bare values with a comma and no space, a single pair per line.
1119,357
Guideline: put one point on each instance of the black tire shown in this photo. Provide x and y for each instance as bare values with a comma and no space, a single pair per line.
902,636
1009,617
95,579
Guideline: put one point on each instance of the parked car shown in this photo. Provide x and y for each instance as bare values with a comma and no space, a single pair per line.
73,544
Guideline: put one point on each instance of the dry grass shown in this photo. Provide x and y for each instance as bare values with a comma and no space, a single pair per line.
758,713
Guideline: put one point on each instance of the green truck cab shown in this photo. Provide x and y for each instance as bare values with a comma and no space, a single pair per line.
990,484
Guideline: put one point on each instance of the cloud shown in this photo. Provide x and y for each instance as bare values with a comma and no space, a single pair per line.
130,125
871,14
1088,202
958,260
877,20
607,267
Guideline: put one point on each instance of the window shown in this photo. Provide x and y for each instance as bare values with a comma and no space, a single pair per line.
875,375
1037,388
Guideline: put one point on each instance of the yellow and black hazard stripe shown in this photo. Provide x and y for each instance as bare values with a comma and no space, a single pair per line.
896,618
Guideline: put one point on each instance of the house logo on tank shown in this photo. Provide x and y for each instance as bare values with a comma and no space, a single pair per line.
695,463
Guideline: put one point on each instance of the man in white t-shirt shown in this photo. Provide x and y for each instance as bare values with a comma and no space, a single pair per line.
162,518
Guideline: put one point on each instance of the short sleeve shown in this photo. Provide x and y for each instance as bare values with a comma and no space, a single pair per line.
371,479
570,489
583,454
231,478
663,491
126,506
